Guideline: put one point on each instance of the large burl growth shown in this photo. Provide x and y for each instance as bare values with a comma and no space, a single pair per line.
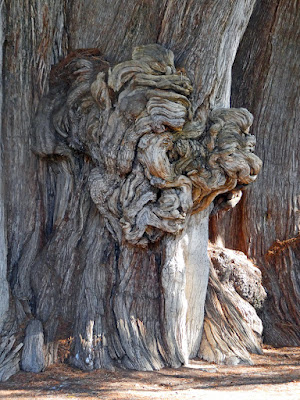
154,163
127,174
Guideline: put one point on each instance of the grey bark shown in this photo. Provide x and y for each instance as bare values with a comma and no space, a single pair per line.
4,290
232,328
64,267
266,81
33,359
148,200
9,357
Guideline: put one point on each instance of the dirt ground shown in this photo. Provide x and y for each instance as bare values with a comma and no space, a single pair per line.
274,375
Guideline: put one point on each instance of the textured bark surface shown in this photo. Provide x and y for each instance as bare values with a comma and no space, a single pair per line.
232,329
281,314
125,139
9,357
266,81
4,289
66,267
33,359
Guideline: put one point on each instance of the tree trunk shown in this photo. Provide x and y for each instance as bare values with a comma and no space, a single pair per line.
266,81
4,290
98,250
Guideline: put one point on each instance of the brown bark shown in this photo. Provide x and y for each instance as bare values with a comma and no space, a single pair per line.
266,80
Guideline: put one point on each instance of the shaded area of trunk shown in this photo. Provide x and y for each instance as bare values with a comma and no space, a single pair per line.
266,79
282,278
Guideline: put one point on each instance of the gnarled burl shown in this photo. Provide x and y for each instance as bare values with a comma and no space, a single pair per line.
132,170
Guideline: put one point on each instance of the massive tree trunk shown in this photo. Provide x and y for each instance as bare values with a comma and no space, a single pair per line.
128,293
265,224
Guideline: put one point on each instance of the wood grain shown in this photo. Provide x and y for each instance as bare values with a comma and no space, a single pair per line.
266,80
65,266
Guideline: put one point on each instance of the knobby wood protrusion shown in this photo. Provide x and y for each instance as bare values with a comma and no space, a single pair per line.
60,252
130,174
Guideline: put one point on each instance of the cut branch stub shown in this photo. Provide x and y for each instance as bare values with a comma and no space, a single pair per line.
154,164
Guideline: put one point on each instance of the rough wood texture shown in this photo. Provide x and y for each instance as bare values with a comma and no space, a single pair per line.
33,359
281,313
127,139
232,329
266,81
63,265
4,288
9,357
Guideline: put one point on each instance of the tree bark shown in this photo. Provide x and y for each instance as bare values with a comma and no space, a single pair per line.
232,328
4,290
123,303
266,81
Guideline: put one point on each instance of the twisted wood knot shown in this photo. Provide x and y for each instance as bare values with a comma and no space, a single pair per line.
154,163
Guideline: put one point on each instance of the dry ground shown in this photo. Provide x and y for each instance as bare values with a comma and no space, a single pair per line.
274,375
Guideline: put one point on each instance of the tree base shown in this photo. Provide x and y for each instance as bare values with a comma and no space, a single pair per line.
232,329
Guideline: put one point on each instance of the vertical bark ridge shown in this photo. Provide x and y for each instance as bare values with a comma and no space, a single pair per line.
266,81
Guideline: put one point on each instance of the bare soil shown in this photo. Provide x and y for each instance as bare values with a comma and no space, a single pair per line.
274,375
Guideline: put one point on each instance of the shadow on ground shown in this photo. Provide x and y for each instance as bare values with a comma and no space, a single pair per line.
274,368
